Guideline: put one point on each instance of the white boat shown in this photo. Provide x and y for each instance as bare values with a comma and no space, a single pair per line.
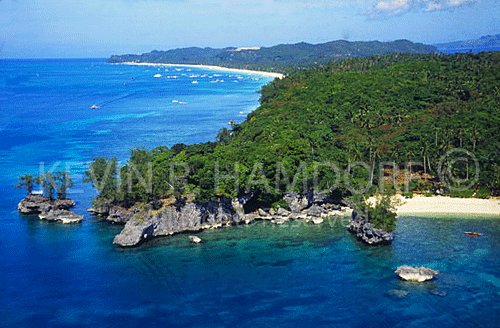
157,75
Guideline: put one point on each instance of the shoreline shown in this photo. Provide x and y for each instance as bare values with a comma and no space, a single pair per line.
210,67
440,205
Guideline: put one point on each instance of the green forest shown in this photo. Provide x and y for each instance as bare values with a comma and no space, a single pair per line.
408,122
282,58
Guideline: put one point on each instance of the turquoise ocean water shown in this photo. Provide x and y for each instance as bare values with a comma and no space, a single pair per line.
295,275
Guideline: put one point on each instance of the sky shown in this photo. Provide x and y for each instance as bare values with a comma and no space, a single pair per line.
101,28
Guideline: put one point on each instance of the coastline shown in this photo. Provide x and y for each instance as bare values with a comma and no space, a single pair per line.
447,205
210,67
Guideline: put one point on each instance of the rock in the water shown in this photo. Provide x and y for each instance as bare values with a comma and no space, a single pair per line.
317,220
437,292
398,293
36,204
417,274
195,239
49,209
63,216
365,231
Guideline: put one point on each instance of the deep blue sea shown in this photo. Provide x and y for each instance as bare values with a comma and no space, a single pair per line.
261,275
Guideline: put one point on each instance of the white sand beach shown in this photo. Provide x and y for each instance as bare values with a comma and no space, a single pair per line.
214,68
446,205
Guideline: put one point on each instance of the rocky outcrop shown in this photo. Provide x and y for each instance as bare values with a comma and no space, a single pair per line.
195,239
416,274
118,214
316,214
50,210
139,228
177,217
365,231
101,209
180,218
63,216
297,202
114,213
36,204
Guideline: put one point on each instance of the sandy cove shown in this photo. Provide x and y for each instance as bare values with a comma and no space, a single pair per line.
446,205
213,68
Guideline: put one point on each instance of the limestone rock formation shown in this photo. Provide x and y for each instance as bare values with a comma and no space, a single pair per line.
101,209
63,216
47,209
36,204
365,231
417,274
118,214
176,219
184,216
195,239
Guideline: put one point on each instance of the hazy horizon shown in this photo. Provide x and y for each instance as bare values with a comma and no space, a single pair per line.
95,29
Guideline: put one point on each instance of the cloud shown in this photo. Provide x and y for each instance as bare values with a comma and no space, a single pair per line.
387,8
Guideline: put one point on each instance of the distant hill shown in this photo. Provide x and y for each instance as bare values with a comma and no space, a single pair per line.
277,58
485,43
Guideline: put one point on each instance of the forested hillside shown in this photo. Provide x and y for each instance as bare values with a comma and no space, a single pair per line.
281,58
390,108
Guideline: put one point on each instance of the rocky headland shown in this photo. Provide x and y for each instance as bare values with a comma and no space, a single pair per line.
178,216
57,210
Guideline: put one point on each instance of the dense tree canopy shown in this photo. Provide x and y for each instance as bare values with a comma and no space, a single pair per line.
439,113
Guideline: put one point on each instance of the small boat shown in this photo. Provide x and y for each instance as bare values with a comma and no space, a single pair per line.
94,107
473,234
231,122
194,82
157,75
